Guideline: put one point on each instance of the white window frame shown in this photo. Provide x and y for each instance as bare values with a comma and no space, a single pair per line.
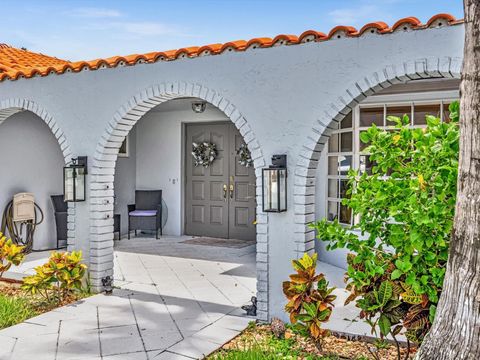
405,99
125,154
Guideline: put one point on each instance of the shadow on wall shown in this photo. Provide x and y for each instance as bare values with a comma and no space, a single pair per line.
31,161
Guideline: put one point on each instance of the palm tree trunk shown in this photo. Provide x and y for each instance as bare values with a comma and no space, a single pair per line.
455,333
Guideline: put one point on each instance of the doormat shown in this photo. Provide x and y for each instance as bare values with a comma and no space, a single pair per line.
227,243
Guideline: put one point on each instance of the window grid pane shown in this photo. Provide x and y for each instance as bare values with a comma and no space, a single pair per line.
370,116
345,148
399,111
346,142
421,111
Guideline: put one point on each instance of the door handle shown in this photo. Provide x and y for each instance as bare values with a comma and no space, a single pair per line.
225,192
232,187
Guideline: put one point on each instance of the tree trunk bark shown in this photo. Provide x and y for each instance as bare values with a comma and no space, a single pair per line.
455,333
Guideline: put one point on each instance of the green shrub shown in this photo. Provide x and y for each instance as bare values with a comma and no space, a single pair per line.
62,275
405,210
10,254
14,310
310,300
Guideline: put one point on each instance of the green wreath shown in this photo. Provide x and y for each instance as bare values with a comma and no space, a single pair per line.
245,158
204,154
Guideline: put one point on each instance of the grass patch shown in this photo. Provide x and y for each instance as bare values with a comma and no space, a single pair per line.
14,310
257,353
17,306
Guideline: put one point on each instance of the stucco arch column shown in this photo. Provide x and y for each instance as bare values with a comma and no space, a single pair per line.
103,172
305,168
10,107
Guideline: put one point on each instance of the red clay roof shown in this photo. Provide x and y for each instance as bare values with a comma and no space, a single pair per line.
16,63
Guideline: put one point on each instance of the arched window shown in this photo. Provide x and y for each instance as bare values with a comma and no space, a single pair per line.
346,151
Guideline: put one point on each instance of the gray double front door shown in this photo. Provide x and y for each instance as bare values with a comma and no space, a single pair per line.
219,199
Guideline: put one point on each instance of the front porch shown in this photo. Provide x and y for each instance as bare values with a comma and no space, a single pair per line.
172,300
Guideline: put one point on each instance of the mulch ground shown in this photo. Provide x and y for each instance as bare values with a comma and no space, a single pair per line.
13,289
335,346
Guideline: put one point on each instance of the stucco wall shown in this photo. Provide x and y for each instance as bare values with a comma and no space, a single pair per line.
31,161
287,96
125,181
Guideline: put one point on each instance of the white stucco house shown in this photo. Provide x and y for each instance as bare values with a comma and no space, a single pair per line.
306,97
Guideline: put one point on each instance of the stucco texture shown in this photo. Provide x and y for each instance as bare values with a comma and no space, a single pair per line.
282,97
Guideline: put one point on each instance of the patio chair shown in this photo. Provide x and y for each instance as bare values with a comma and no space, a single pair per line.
146,213
60,208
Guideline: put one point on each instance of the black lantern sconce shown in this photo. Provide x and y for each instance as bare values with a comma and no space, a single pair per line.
74,180
274,185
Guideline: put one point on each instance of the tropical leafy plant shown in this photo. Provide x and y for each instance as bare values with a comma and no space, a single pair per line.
404,210
310,299
59,277
10,254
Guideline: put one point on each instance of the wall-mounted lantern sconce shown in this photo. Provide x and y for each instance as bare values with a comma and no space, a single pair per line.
274,185
74,180
199,106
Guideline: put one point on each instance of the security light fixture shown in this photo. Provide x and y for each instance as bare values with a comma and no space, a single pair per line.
274,185
199,106
74,180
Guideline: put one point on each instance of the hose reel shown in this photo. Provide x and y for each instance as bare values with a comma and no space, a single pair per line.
20,218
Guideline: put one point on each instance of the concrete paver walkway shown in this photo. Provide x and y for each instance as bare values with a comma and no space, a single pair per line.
174,301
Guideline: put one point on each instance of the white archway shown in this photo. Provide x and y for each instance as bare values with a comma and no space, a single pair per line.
103,171
304,190
10,107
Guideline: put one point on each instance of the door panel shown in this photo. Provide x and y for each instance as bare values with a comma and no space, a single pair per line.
242,204
216,215
198,190
216,191
208,212
242,217
206,209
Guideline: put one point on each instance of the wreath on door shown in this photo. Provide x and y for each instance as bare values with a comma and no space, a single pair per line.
204,154
245,158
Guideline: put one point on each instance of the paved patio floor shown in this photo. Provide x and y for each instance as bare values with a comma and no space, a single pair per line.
174,301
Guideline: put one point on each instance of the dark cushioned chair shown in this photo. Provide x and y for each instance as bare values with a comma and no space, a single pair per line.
61,212
146,213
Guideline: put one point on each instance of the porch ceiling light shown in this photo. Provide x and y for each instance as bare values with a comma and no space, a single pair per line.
274,185
74,180
199,106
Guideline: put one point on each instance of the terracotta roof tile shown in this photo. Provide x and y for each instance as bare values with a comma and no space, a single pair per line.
411,21
258,42
17,63
234,45
347,30
209,49
312,35
449,18
285,40
380,26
